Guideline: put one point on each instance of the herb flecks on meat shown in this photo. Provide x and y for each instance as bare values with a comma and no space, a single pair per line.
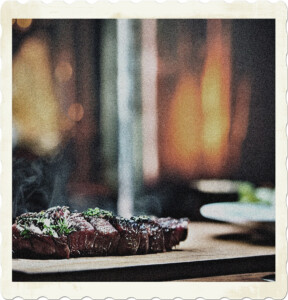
58,233
52,222
97,212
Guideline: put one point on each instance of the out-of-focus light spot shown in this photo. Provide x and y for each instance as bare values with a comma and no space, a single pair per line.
76,112
63,71
36,110
216,97
48,142
34,47
24,23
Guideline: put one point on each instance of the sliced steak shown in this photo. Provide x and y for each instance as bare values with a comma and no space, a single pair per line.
61,247
174,231
183,224
144,240
46,246
57,233
81,240
152,239
106,237
129,235
156,237
128,230
144,236
30,241
21,246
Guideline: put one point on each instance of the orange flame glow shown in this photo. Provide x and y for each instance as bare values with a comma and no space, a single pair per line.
215,98
183,149
200,137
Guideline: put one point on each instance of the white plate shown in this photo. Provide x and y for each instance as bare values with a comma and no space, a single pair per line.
216,186
239,213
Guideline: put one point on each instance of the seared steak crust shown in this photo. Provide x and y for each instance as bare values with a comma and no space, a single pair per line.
106,237
174,231
57,233
156,236
144,239
81,241
129,235
38,245
153,238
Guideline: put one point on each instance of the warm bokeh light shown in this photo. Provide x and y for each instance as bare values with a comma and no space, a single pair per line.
215,88
76,112
36,112
63,71
201,137
24,23
183,141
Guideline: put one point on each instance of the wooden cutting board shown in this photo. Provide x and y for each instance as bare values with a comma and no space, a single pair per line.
210,249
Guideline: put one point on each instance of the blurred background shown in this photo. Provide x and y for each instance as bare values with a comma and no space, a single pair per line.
141,116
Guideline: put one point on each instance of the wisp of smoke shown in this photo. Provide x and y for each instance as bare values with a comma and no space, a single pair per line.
38,184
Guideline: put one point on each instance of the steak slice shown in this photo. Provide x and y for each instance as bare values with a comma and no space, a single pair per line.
152,237
129,235
183,224
21,246
31,240
46,246
128,230
174,231
61,246
144,240
156,236
81,240
106,237
144,236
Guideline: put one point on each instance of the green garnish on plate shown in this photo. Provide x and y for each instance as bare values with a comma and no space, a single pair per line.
248,193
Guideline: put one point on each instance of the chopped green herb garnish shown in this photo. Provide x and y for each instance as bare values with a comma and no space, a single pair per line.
29,219
51,227
49,230
97,212
63,227
25,233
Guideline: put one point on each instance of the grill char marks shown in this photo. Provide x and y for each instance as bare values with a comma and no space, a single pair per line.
57,233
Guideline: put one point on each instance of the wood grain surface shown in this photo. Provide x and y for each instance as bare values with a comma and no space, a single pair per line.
211,249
